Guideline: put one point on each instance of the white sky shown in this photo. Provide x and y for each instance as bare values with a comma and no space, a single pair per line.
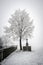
33,7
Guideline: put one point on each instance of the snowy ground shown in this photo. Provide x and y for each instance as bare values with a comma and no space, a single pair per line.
24,58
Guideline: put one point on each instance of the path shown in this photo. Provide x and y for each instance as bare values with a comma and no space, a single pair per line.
24,58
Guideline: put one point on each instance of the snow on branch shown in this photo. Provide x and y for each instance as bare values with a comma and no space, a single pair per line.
21,24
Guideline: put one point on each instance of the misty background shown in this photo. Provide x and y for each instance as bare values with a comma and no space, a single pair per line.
35,10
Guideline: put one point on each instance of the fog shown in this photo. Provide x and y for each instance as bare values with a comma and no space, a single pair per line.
35,10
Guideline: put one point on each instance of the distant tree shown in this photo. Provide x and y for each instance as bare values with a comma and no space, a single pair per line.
5,40
20,26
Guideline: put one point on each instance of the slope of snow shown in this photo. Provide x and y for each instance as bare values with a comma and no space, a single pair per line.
24,58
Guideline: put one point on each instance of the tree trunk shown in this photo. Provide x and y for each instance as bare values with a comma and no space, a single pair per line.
20,44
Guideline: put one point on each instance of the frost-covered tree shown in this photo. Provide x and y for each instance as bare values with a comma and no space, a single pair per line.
20,26
7,41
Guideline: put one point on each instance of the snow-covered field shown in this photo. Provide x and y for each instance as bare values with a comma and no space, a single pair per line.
24,58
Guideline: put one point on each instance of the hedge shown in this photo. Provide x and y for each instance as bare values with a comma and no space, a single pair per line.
5,52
